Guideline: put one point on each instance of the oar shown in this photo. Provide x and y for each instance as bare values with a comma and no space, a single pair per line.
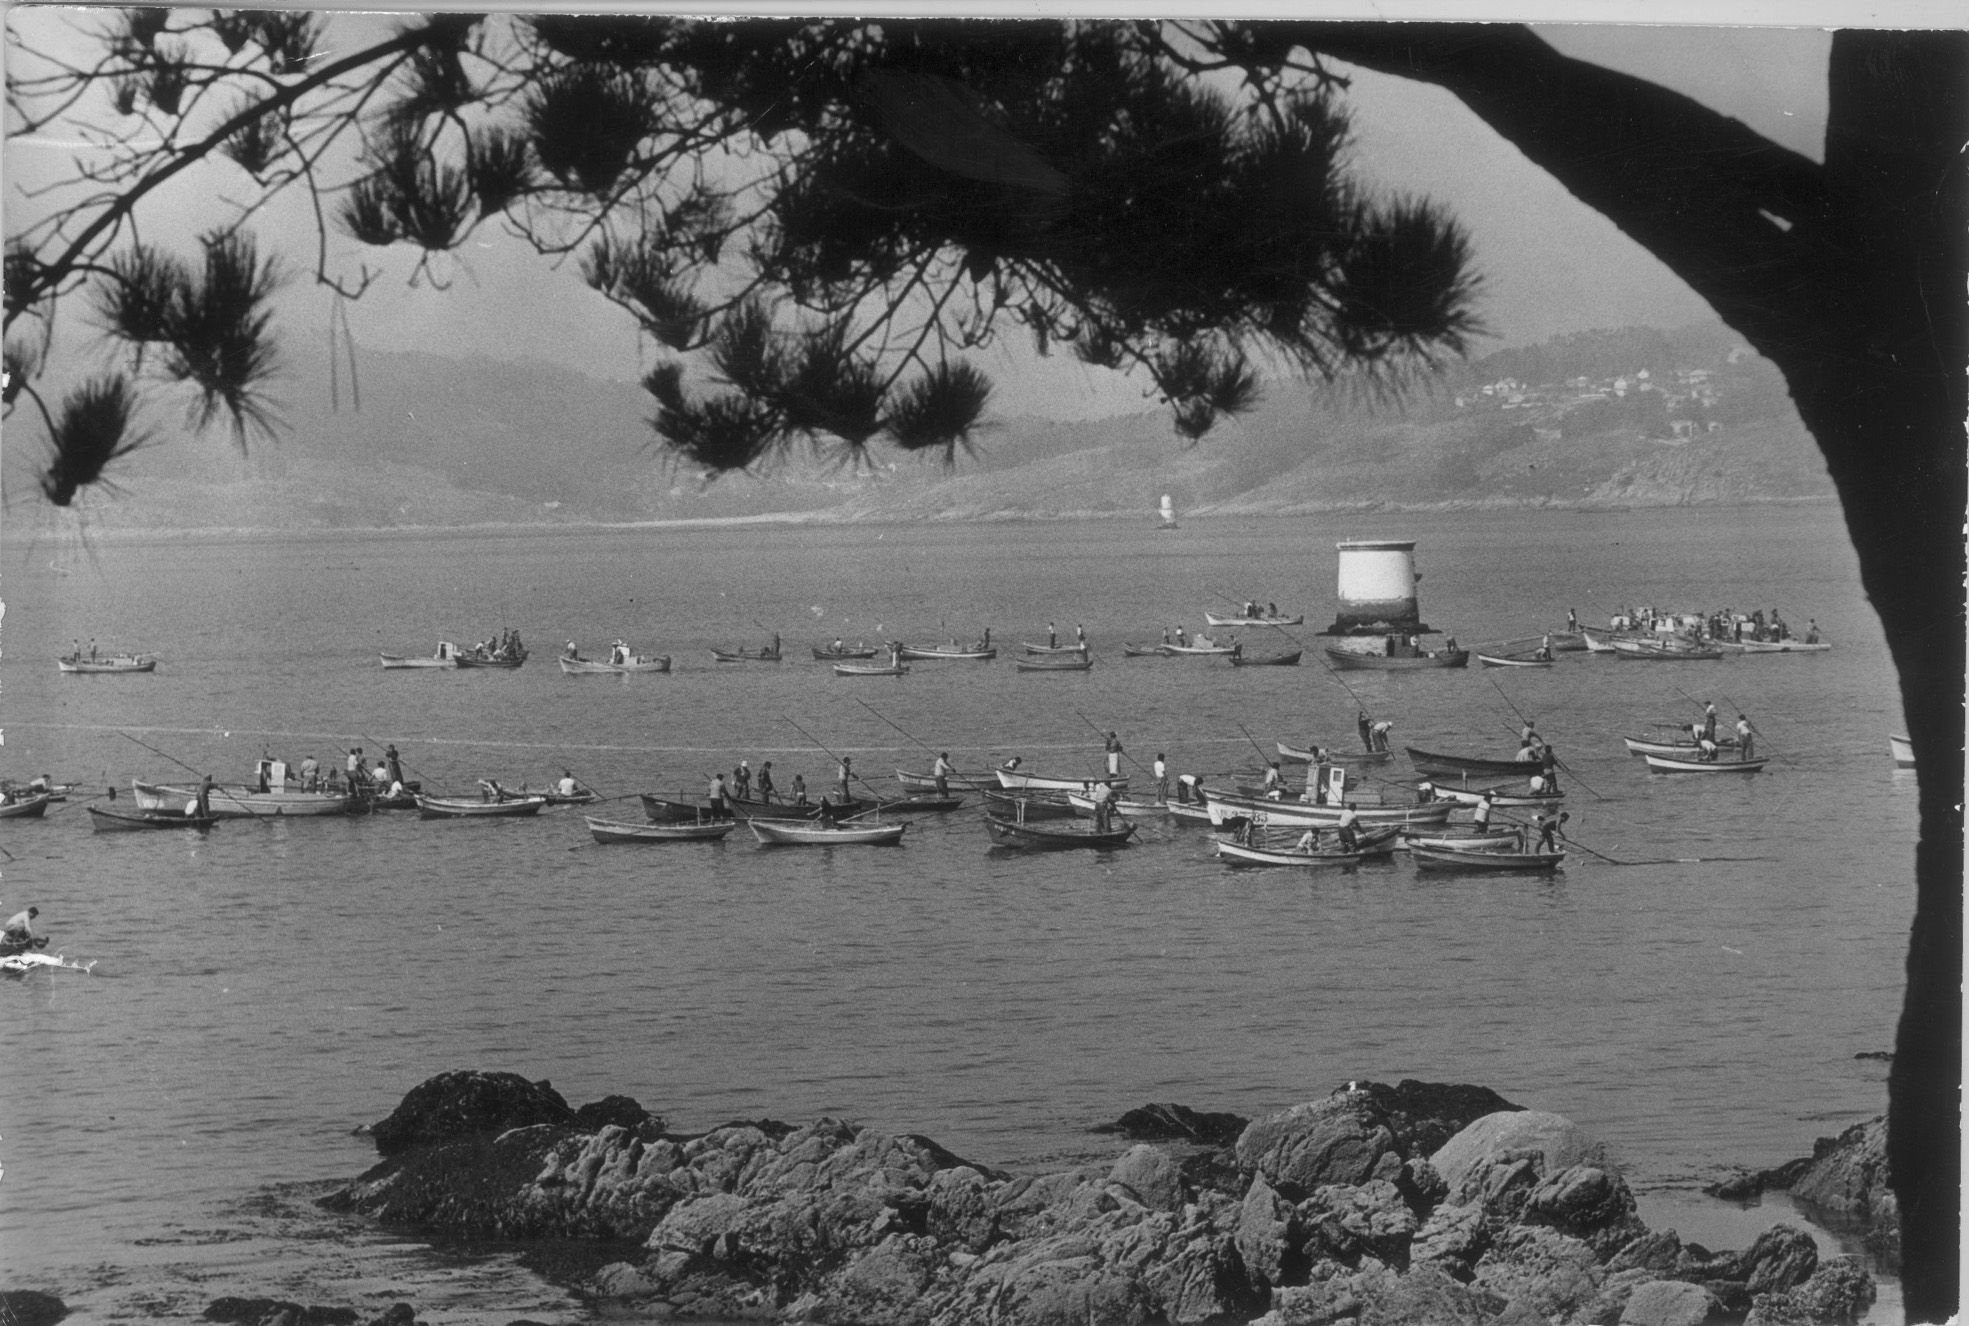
900,728
1139,767
1659,861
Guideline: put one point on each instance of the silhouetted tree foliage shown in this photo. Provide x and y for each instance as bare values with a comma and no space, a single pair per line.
823,215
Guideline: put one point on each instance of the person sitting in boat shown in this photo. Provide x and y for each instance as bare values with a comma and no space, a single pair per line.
1349,839
567,787
1309,841
1536,785
571,651
18,934
1182,638
1425,792
1811,630
1548,827
826,815
1012,763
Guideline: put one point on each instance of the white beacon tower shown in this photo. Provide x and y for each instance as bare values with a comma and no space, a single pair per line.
1377,589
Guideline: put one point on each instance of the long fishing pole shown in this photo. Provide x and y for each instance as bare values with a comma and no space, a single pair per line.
1104,734
1754,730
928,750
196,773
838,759
1570,772
1659,861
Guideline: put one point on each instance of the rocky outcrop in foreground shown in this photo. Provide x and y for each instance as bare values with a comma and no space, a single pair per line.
1378,1204
1843,1183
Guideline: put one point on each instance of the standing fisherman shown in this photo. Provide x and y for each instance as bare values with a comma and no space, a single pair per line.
1548,825
842,775
766,781
1746,739
1161,778
1114,755
1366,730
1709,720
941,771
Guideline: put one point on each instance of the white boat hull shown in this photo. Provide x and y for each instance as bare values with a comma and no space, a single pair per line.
1016,780
806,833
231,802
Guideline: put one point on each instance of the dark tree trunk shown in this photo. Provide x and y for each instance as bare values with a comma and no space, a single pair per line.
1850,277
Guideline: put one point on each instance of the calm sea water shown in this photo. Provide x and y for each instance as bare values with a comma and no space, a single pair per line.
262,991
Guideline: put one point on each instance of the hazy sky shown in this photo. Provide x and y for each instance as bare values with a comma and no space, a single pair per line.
1550,264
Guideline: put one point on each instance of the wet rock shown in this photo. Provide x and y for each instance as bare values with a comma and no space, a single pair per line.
30,1307
277,1312
1667,1303
1838,1292
1343,1139
1176,1123
464,1104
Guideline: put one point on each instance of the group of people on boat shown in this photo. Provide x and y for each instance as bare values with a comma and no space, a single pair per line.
1709,739
505,646
1373,732
17,935
1724,624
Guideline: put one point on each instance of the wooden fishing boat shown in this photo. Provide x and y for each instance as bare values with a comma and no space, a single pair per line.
676,810
238,801
925,803
446,657
106,820
1305,815
631,663
1201,647
1304,755
1291,660
1083,806
1567,642
502,659
31,807
1016,779
1657,652
1187,812
742,655
1496,840
108,663
1902,749
830,654
1674,764
1451,858
971,652
439,808
1081,664
1348,660
1441,764
1782,646
746,808
631,831
922,782
1244,854
1077,647
1029,805
1513,661
1464,796
870,669
1638,746
20,963
1143,651
1054,835
807,833
1262,619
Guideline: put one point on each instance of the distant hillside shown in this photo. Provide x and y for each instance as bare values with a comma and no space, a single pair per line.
1627,417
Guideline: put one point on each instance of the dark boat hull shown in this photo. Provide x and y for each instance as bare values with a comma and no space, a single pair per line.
1042,838
1435,762
1348,661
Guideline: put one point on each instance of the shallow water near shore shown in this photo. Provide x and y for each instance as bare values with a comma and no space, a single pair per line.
263,991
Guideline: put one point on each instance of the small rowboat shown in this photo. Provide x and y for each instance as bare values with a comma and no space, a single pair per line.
446,657
1435,762
1243,854
1083,806
1305,756
1022,806
922,782
503,659
630,831
18,958
1303,815
1080,664
1077,647
1902,749
1348,660
1655,651
829,654
1212,619
1680,749
1203,648
1290,660
675,810
1187,812
1451,858
870,669
1055,836
1017,779
439,808
27,808
926,804
597,667
745,655
806,833
1144,651
975,652
119,821
1513,661
1782,646
746,808
107,663
1672,764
